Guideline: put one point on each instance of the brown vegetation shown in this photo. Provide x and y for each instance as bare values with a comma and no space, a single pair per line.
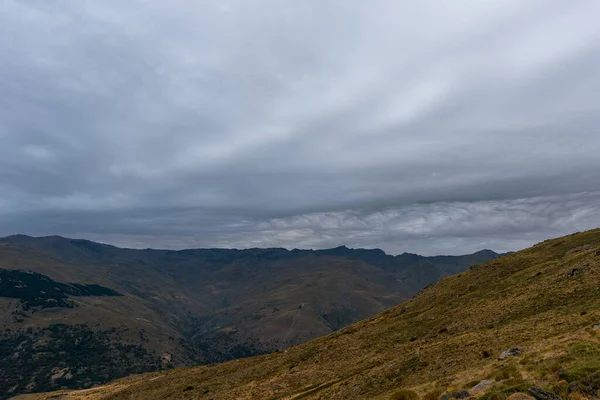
529,299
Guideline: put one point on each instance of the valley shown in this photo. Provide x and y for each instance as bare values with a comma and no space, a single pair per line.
75,314
525,323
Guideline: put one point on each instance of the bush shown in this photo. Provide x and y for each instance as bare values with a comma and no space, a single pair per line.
588,384
497,396
433,395
469,385
404,395
507,372
504,390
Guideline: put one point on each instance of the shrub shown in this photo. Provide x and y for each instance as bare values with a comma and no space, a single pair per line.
432,395
404,395
576,396
504,390
588,384
560,388
497,396
507,372
555,366
469,385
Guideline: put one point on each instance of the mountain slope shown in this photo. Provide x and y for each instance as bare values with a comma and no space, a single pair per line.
189,307
544,302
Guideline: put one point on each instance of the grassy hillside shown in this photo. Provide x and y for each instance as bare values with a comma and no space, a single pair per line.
544,302
89,308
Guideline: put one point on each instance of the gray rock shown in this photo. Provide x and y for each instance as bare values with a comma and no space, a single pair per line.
541,394
573,272
462,394
483,385
512,352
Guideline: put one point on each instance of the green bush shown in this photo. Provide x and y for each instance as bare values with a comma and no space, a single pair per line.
433,395
496,396
504,390
507,372
404,395
587,384
469,385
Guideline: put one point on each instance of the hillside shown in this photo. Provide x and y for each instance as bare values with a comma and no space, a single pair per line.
88,312
542,302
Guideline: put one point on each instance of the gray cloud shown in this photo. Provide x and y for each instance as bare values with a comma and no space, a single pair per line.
427,128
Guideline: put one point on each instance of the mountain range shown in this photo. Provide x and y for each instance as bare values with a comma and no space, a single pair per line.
523,326
75,313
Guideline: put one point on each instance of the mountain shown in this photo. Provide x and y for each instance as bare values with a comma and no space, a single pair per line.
75,313
526,322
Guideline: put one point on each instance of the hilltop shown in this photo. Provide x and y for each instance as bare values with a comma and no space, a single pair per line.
528,319
75,313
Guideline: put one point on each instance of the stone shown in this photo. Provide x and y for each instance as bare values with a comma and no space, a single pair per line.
573,272
512,352
462,394
483,385
542,394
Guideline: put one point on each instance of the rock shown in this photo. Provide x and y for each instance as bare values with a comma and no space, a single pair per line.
541,394
520,396
483,385
580,249
573,272
512,352
462,394
595,326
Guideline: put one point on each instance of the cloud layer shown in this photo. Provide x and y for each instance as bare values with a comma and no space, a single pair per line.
428,128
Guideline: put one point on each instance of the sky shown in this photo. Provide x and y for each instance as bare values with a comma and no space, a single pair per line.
425,126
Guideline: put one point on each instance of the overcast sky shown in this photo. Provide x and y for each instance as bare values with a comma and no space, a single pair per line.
422,126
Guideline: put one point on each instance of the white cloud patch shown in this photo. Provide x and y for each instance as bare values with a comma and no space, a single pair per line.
448,227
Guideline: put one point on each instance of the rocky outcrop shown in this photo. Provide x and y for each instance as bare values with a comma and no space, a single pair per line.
542,394
512,352
482,386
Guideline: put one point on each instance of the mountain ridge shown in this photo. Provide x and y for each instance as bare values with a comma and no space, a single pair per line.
19,237
523,323
197,306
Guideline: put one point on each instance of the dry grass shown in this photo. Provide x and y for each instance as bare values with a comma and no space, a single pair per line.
448,336
404,395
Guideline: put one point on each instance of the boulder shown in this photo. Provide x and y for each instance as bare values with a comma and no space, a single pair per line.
512,352
481,386
573,272
542,394
462,394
